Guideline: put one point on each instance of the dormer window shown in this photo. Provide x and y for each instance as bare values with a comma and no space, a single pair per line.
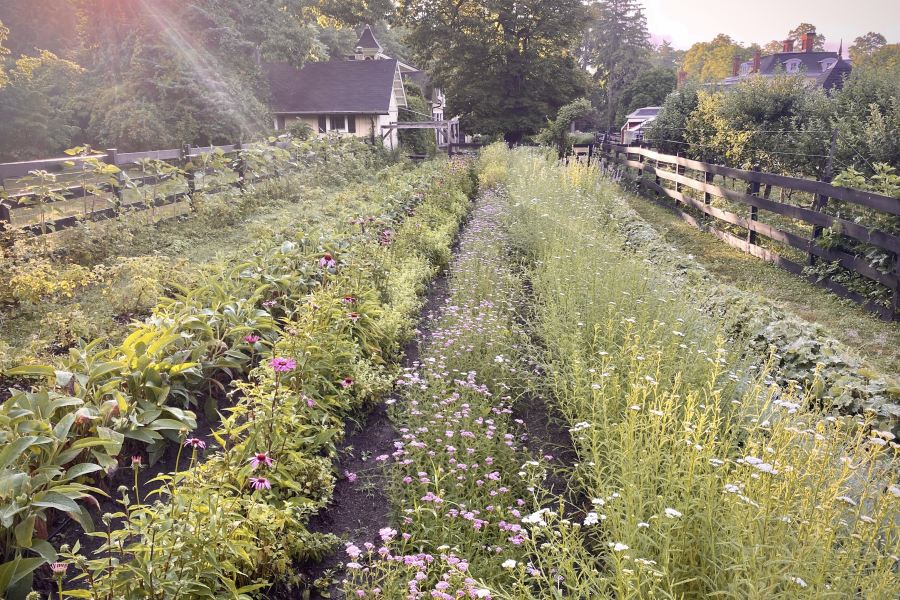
745,68
828,63
792,66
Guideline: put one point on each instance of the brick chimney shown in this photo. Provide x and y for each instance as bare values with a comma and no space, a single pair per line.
735,66
809,40
756,58
682,77
788,46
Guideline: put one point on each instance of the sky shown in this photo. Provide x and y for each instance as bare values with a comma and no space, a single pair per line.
685,22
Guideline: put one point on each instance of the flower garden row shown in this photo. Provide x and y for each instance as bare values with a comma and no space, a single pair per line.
306,331
697,475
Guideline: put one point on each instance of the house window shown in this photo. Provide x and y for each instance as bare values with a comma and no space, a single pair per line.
827,64
792,66
745,69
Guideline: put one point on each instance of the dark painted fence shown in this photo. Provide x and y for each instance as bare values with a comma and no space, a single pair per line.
661,176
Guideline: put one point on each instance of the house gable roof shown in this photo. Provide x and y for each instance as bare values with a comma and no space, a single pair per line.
367,40
834,77
363,86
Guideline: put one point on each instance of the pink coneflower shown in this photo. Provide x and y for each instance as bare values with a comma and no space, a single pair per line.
251,339
195,443
260,483
347,382
353,317
282,364
261,458
269,303
59,568
327,261
348,299
135,461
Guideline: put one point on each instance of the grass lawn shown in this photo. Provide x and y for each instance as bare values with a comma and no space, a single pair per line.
877,341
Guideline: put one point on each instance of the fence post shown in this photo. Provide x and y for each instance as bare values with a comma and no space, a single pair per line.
754,211
242,166
679,170
191,182
708,179
5,217
112,158
821,202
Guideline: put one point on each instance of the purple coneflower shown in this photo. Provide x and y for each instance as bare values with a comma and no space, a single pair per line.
261,458
260,483
251,339
135,461
282,364
327,261
269,303
347,382
195,443
348,299
353,317
59,568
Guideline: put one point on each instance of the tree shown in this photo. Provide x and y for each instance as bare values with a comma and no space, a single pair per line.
650,87
667,57
620,48
865,45
37,107
505,65
773,47
37,25
557,132
797,36
886,58
713,61
4,79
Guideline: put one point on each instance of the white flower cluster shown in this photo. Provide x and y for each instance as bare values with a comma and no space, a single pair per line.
580,427
593,518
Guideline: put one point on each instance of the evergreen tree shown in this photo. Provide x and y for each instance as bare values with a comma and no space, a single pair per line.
506,66
620,47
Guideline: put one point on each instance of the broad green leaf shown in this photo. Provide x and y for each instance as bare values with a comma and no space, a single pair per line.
11,452
55,500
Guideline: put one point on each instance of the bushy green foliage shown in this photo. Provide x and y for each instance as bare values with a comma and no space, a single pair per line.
650,87
557,132
416,141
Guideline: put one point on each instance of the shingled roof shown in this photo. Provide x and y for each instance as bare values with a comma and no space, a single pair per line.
349,87
367,40
834,77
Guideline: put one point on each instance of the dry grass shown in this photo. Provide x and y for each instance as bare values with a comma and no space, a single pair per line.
877,341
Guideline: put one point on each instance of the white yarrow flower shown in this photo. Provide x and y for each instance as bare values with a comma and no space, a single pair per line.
672,513
509,564
618,547
799,581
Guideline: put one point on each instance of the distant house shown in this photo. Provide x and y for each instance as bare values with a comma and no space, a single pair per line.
633,129
822,69
350,98
354,97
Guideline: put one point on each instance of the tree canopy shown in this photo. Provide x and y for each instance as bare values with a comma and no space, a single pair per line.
713,61
620,48
866,45
796,34
505,66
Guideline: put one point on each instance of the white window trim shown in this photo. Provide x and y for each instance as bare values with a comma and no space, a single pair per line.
827,63
331,126
792,66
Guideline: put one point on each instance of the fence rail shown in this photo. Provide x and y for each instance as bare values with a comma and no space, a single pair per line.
72,165
653,169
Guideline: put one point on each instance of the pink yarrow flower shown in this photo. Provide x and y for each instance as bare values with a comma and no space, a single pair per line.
195,443
261,458
282,364
260,483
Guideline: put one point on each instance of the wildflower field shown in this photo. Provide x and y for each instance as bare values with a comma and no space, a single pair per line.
575,417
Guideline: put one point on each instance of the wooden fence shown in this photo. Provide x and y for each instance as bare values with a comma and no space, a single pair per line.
18,170
669,176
